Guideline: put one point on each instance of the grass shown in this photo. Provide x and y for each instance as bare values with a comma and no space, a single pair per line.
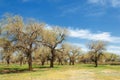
65,72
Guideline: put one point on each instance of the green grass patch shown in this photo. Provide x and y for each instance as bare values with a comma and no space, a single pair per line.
61,72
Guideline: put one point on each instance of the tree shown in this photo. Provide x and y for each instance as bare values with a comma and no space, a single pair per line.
52,38
7,51
42,54
73,55
60,56
23,36
110,57
96,50
72,52
85,58
20,57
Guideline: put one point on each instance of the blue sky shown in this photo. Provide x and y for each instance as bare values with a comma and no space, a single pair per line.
86,19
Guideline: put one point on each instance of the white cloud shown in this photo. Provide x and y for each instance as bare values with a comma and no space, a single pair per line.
110,48
98,1
87,34
113,49
113,3
81,45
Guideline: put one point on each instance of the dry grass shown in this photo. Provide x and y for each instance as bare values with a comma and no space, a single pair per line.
78,72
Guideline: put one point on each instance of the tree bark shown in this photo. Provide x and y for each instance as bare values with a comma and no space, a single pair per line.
70,62
52,58
30,62
8,60
96,62
73,62
21,61
42,63
60,62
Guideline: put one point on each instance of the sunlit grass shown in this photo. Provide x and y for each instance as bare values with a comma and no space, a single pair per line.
65,72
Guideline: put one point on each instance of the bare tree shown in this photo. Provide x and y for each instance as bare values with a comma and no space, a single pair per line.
7,50
20,57
73,55
42,54
96,50
23,36
72,52
52,38
60,56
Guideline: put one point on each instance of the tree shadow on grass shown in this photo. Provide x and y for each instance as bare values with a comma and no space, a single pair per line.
19,70
48,67
12,70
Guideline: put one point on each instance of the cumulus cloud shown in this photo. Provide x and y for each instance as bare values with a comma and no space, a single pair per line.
113,3
113,49
110,48
87,34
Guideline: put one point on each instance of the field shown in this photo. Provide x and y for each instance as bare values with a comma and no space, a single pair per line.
66,72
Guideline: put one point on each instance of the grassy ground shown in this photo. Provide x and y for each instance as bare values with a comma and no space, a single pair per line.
66,72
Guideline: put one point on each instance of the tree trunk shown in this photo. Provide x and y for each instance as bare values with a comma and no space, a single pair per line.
51,63
96,62
52,59
73,62
8,60
70,62
30,62
61,62
42,63
47,62
58,61
21,61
